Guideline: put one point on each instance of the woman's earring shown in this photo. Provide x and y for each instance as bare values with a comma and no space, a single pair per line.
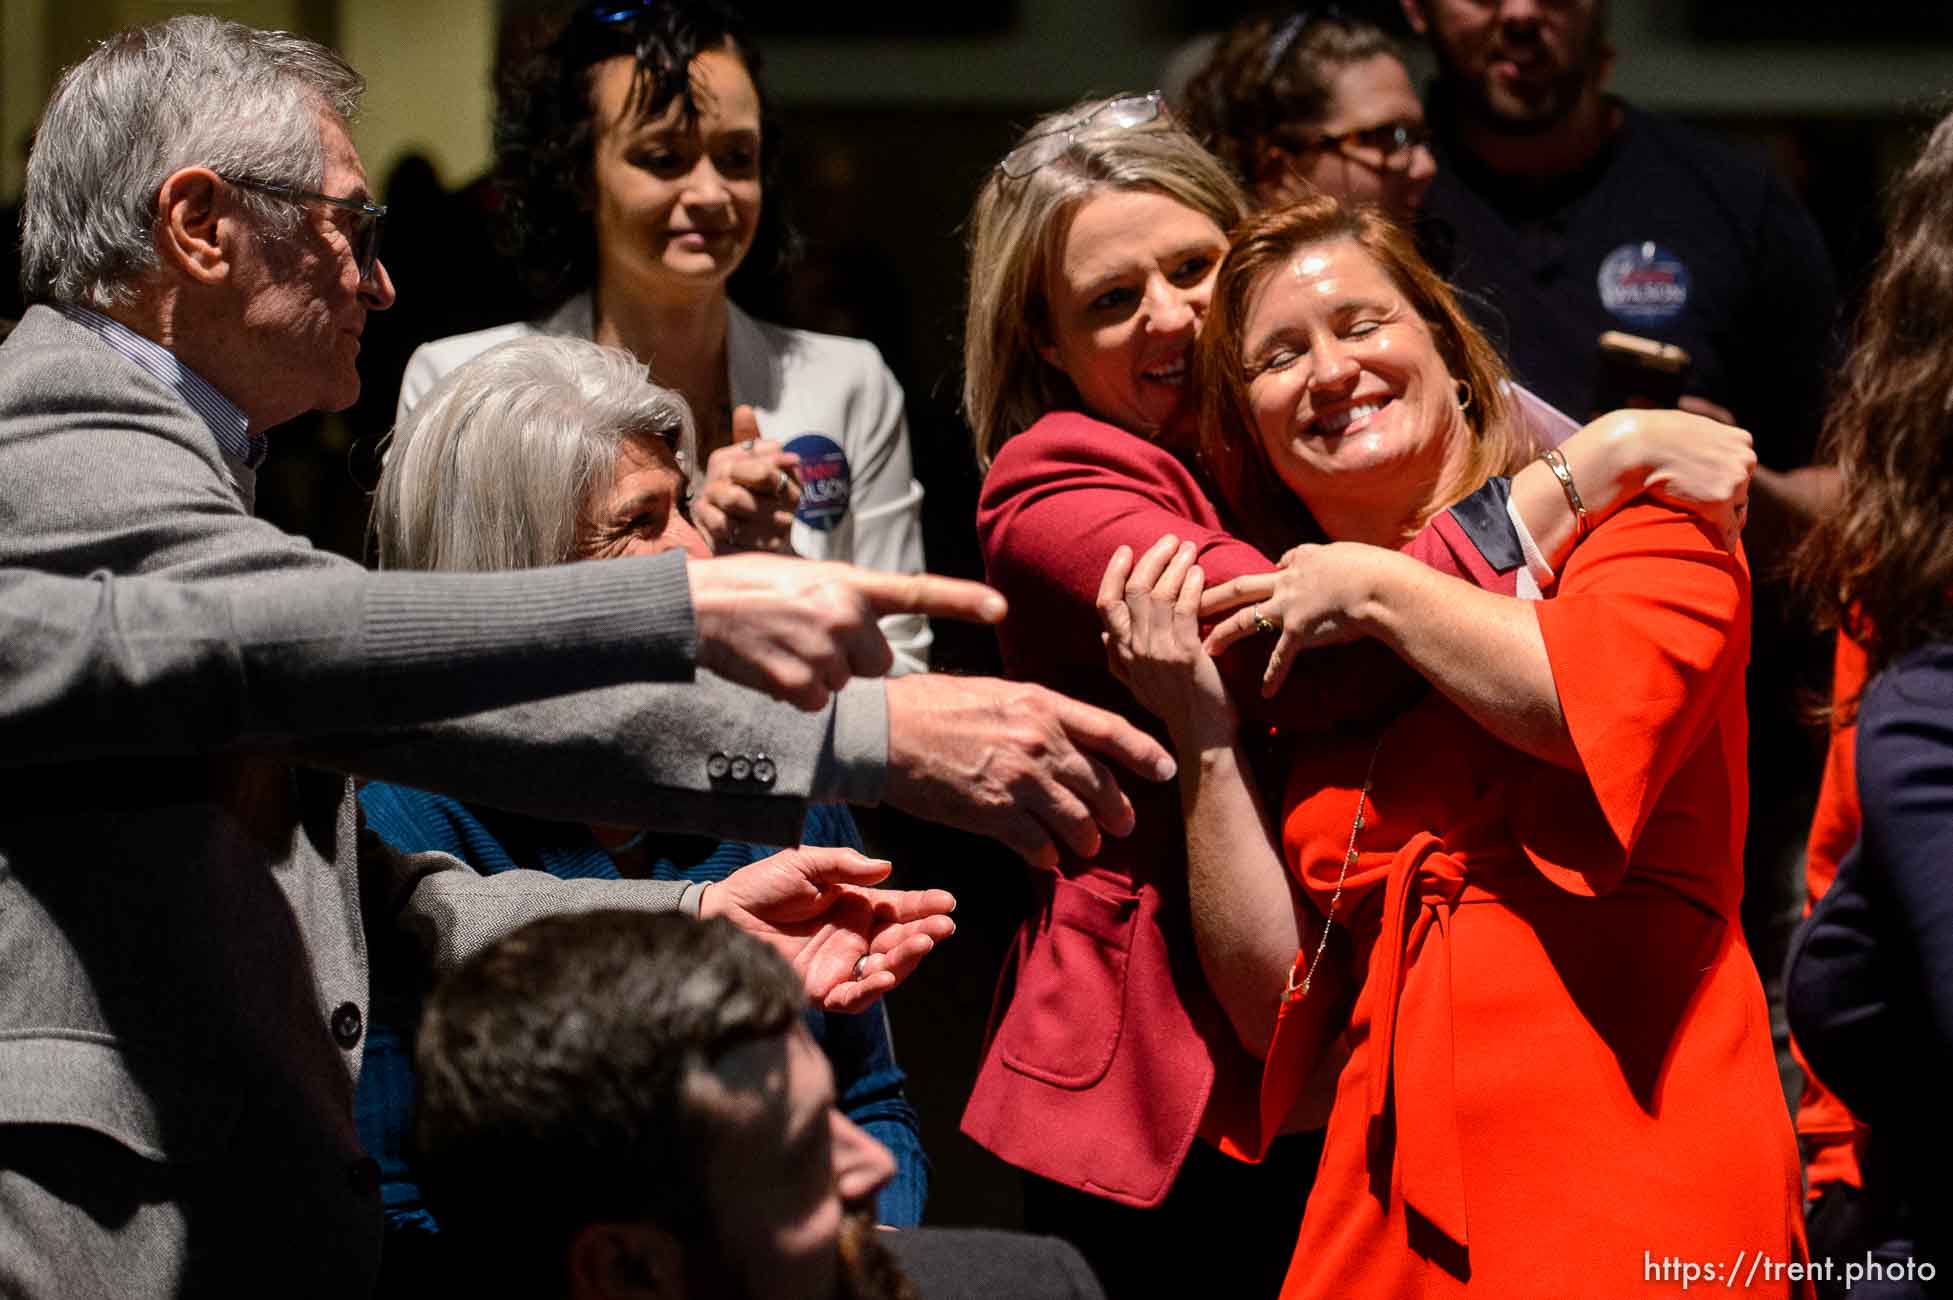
1464,395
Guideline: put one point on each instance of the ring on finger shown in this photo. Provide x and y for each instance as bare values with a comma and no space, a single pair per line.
861,966
1264,624
782,482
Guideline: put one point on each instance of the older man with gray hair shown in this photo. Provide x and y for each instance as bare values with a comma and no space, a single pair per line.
185,943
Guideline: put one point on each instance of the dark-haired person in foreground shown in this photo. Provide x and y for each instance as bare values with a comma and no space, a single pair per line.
654,1073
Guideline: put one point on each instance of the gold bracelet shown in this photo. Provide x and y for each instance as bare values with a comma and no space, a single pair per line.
1557,463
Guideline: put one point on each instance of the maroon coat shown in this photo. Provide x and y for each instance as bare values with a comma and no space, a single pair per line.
1107,1053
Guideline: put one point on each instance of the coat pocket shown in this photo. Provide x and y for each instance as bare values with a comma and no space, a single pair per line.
1068,1010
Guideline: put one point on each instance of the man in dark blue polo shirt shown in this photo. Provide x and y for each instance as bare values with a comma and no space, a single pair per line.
1574,214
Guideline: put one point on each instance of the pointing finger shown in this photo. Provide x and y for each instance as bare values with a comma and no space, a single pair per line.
926,593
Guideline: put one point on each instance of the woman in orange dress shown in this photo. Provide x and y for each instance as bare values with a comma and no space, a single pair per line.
1560,1079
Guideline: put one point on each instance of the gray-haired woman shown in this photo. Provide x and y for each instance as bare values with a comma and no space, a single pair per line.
541,451
512,464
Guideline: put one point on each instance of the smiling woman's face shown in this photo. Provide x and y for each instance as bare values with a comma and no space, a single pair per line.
1351,400
1127,297
676,204
637,511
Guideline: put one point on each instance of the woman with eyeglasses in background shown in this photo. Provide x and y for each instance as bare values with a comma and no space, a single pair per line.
1314,102
632,155
1112,1074
1317,102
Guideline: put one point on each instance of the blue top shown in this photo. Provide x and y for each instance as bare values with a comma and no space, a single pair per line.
1869,984
866,1077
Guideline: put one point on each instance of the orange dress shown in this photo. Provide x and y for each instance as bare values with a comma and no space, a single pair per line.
1830,1135
1561,1075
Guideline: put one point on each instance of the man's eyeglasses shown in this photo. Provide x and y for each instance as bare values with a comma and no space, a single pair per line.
1393,143
366,220
1047,147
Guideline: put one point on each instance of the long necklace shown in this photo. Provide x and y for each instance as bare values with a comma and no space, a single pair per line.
1349,860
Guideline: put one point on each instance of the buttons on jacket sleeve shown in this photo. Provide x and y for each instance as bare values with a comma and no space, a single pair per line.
753,772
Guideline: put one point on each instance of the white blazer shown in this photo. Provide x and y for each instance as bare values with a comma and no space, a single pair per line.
830,399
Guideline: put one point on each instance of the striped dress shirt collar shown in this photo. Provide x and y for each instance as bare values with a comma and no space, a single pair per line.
229,425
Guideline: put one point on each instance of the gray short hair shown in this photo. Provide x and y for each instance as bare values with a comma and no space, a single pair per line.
496,465
1017,234
148,102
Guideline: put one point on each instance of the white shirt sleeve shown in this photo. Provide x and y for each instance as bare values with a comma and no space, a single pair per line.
1539,574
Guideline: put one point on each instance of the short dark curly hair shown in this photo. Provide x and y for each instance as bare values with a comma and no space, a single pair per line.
553,1082
1271,78
545,130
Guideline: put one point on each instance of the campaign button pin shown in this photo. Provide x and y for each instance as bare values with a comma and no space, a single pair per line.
825,482
1644,283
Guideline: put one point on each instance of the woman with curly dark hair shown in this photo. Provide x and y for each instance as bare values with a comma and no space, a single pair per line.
1314,101
1870,980
632,156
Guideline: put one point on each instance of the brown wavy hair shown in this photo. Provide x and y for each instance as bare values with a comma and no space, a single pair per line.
1265,510
1881,565
1271,78
546,130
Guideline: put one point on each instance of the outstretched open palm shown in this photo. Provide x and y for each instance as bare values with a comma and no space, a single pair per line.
849,942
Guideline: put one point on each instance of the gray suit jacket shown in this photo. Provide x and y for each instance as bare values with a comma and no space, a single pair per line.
184,942
107,666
